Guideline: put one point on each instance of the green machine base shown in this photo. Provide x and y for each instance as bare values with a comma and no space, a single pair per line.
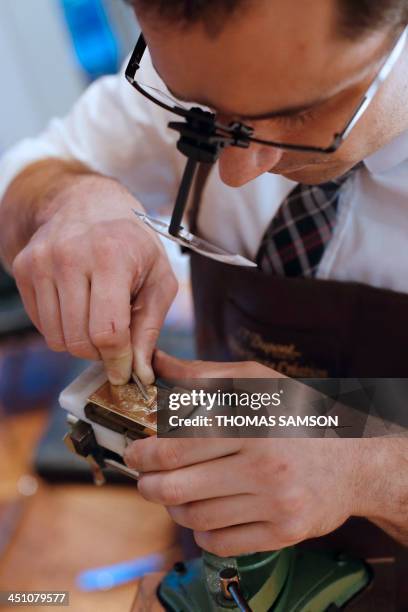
289,580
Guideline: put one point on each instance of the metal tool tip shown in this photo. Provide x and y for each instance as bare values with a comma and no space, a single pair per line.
140,386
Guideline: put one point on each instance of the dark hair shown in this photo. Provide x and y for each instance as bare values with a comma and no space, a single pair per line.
360,16
212,13
356,16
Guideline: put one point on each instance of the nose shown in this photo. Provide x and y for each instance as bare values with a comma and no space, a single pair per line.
239,166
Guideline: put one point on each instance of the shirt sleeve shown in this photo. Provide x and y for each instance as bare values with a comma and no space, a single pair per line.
115,131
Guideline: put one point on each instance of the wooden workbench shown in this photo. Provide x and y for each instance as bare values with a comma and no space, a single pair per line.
64,529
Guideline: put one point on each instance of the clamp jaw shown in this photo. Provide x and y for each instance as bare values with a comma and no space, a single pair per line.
104,419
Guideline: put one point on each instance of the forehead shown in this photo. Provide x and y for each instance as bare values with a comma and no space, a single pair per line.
273,53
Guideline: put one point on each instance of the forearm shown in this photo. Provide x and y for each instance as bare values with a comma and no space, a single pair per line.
31,200
384,485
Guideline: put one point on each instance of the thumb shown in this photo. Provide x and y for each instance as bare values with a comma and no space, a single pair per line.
170,367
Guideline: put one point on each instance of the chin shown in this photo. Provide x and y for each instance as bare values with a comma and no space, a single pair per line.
314,174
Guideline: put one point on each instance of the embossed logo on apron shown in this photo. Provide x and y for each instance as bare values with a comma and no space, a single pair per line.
285,358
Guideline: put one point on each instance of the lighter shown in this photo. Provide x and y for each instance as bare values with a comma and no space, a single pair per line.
103,419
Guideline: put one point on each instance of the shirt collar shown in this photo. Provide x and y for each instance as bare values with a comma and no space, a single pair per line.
389,156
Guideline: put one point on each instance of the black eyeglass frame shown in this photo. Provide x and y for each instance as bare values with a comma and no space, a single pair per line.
238,134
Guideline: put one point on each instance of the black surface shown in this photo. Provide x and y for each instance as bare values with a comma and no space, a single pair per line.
56,464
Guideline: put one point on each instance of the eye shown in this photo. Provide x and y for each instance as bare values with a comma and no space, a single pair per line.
297,120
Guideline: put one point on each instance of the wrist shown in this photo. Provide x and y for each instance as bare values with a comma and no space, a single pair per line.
34,193
382,491
75,190
52,190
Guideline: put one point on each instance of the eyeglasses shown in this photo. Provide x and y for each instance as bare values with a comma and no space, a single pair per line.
202,138
237,133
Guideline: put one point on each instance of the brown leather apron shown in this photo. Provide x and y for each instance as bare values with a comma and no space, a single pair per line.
307,328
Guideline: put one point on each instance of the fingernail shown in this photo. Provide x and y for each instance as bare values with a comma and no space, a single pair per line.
119,370
127,457
144,370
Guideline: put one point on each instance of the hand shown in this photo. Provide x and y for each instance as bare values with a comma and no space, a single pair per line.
246,495
95,281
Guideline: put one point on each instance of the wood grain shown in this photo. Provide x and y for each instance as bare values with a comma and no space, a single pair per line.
66,529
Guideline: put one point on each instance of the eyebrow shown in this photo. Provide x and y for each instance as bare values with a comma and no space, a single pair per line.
288,111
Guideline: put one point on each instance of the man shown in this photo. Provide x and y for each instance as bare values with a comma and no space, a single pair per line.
96,281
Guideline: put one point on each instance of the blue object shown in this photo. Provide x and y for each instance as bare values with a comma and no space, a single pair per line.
31,375
96,46
103,578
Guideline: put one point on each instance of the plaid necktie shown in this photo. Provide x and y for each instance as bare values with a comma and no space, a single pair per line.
294,243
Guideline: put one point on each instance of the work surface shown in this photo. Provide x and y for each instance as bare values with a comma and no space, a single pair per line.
65,529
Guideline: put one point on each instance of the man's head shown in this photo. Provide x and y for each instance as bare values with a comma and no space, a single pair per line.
292,69
355,17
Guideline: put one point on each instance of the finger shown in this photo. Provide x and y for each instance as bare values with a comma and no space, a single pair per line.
25,287
49,313
218,513
149,311
169,367
28,298
74,297
155,454
109,324
196,482
239,540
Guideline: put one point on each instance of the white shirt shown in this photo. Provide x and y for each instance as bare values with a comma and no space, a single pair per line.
118,132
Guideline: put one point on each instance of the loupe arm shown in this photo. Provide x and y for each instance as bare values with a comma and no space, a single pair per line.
182,197
201,141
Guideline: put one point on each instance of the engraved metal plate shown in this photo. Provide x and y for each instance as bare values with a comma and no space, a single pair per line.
127,401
